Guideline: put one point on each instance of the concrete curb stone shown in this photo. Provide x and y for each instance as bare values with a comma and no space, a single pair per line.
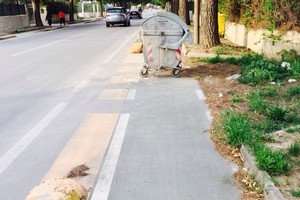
3,37
58,189
271,192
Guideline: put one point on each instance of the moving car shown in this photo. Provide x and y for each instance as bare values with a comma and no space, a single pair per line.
117,15
135,13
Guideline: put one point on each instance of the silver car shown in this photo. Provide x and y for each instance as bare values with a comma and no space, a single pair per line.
117,15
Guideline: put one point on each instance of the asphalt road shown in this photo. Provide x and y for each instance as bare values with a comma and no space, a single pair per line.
73,96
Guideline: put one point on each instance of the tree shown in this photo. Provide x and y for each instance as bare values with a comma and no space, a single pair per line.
209,35
72,11
196,21
175,6
36,11
183,11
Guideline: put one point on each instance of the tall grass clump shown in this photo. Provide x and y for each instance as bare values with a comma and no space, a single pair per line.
273,162
237,128
294,149
276,113
294,91
256,101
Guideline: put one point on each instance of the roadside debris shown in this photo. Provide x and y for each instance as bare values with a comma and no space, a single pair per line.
58,188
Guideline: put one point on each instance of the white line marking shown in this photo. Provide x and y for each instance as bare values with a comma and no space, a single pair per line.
208,115
19,147
104,181
131,94
109,58
200,95
45,45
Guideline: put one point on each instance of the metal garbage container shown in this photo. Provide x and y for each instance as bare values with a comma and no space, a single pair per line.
162,36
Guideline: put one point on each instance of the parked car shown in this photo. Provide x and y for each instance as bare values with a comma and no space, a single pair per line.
117,15
135,13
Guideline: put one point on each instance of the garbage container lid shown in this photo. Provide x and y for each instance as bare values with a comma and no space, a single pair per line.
171,16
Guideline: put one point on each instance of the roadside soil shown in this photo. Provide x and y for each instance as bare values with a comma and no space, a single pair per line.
219,93
219,97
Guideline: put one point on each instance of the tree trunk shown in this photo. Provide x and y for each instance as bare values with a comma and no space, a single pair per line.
175,6
209,35
72,11
196,21
37,15
168,6
101,8
183,11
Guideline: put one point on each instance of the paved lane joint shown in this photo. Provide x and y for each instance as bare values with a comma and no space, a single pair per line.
106,175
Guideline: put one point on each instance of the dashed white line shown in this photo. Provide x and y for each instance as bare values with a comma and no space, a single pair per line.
104,181
208,115
131,94
200,94
21,145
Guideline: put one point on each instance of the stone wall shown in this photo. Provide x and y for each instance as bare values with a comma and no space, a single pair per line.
257,41
9,23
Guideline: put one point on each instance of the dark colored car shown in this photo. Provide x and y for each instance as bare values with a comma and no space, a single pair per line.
117,15
135,13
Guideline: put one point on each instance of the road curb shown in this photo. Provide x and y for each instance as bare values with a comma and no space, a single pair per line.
6,37
58,188
271,192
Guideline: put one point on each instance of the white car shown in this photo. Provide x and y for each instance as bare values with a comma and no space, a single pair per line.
117,15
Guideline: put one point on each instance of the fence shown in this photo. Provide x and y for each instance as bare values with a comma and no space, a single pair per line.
12,9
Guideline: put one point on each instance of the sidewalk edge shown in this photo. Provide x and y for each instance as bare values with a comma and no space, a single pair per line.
271,192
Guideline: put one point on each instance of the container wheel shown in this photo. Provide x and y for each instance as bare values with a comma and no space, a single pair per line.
175,72
144,72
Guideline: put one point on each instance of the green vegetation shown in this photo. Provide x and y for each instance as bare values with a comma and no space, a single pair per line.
295,193
268,14
294,150
273,162
272,105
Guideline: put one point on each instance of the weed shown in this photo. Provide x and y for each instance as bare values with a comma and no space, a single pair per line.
236,99
276,113
274,162
216,59
294,149
295,193
293,129
267,126
237,128
256,76
256,102
293,91
271,91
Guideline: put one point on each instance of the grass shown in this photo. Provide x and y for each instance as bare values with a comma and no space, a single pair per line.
294,150
271,108
295,193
